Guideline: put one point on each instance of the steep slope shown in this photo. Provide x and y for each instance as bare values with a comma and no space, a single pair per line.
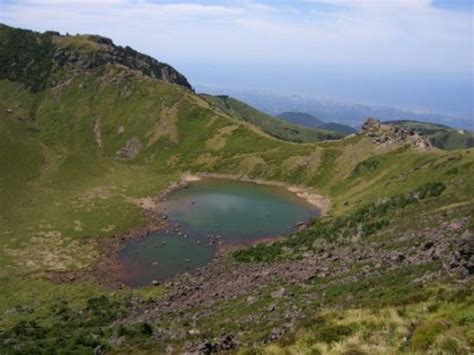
35,58
389,269
307,120
441,136
271,125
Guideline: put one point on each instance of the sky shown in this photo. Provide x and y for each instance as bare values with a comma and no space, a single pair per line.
411,54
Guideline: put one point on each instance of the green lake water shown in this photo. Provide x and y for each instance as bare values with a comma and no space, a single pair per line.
209,213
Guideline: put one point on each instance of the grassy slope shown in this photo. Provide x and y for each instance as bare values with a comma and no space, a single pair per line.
61,190
271,125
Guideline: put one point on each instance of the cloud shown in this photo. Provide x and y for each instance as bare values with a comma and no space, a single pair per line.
403,33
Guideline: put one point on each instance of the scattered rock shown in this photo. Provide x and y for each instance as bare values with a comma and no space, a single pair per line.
251,299
428,245
218,282
130,150
399,258
194,332
204,348
226,342
272,307
281,292
301,226
455,226
463,258
276,334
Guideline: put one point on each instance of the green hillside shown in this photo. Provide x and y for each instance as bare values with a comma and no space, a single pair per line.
441,136
269,124
387,270
306,120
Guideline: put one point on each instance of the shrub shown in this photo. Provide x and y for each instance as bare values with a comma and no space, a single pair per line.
25,57
426,332
139,329
331,333
452,344
365,166
452,171
367,219
432,189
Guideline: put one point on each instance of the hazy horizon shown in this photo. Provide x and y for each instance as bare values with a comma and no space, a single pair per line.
410,54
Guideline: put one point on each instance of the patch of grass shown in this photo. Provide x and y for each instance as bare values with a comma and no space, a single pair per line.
60,192
269,124
425,333
81,43
419,326
441,136
330,333
364,222
88,328
364,166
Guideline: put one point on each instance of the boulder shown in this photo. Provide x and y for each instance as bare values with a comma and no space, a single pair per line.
226,342
281,292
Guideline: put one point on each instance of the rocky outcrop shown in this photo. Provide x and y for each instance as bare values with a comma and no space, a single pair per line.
224,343
130,150
34,58
386,135
106,52
462,261
449,243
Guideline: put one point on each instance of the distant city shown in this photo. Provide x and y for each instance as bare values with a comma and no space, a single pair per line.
332,110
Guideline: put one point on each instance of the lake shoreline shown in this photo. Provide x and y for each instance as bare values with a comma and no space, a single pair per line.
107,268
319,201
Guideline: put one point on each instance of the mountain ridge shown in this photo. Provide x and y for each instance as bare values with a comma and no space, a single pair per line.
348,113
388,269
50,51
306,119
269,124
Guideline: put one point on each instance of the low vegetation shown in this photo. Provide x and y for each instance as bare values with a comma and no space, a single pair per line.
63,191
441,136
271,125
25,56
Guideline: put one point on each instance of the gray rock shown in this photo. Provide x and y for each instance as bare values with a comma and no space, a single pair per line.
281,292
226,342
251,299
